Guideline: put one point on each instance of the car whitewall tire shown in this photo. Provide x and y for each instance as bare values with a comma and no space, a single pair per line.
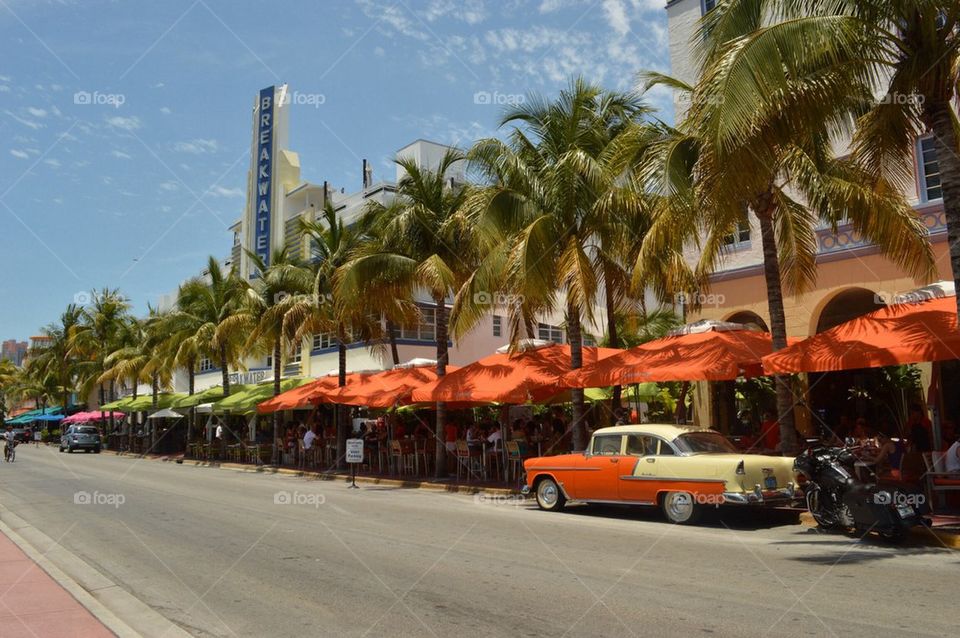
680,508
549,495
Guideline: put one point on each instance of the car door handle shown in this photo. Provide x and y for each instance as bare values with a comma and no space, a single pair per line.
651,460
614,460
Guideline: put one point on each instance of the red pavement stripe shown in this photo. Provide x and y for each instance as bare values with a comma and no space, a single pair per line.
33,605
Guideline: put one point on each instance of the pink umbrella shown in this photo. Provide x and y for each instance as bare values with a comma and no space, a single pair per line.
84,417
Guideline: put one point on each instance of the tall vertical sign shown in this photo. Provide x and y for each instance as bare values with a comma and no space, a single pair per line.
263,212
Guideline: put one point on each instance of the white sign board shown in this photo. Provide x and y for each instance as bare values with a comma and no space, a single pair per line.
354,450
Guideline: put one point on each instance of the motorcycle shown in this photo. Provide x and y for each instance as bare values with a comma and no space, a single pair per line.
838,499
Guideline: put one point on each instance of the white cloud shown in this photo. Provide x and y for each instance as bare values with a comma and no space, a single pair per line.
616,14
196,146
52,162
120,154
124,123
18,153
165,110
469,11
169,186
28,123
220,191
36,112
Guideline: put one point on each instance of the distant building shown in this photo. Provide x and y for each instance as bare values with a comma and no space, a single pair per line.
13,350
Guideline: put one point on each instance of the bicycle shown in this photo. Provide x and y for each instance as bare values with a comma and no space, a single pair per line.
10,451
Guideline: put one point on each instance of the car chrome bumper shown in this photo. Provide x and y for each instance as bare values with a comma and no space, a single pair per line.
760,496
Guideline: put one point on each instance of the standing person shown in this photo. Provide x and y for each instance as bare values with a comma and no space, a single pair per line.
218,435
770,432
309,436
450,435
919,429
36,438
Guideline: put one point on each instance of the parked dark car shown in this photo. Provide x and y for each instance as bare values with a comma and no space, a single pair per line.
81,437
21,435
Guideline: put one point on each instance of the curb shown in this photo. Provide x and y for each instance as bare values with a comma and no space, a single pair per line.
325,476
923,536
97,594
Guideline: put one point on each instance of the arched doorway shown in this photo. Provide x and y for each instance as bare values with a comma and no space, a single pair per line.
838,399
846,305
749,318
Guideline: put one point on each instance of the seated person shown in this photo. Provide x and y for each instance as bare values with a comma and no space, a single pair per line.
951,461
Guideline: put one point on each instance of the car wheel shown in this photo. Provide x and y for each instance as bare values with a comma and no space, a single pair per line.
549,495
70,450
61,449
680,509
96,450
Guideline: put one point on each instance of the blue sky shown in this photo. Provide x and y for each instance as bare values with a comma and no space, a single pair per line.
125,125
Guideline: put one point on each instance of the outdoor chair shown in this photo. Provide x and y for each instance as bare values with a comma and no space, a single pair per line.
938,479
514,461
402,459
469,462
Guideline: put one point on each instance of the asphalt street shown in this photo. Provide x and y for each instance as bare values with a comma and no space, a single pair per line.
223,553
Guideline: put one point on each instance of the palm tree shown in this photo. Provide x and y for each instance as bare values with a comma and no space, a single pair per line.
8,378
425,245
95,337
55,356
204,316
732,154
324,310
555,191
921,58
271,295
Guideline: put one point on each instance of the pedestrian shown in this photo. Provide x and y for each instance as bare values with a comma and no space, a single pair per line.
919,429
36,438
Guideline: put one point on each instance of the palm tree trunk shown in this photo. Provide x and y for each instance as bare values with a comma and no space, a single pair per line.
440,448
392,336
945,141
575,337
778,321
276,390
224,373
613,338
191,418
341,411
136,388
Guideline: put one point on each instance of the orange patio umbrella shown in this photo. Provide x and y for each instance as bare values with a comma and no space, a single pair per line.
530,375
703,351
924,330
389,388
308,394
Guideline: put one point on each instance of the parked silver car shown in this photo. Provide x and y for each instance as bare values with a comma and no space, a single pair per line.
80,437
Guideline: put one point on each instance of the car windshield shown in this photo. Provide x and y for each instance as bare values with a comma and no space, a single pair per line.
86,430
703,442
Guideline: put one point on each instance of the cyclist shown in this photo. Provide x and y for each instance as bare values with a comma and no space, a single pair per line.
9,442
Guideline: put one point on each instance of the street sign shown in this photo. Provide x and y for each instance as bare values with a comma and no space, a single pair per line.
354,450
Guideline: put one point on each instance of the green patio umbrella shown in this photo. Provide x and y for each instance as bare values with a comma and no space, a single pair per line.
246,401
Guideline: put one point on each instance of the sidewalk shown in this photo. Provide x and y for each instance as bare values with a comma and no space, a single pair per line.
33,604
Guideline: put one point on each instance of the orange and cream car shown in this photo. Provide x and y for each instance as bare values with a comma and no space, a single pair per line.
680,468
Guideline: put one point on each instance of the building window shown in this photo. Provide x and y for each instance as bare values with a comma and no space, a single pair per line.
206,365
929,170
426,330
740,237
497,326
588,340
269,362
297,356
323,341
707,5
547,332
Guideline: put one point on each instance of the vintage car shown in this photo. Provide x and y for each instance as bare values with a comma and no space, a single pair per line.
680,468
